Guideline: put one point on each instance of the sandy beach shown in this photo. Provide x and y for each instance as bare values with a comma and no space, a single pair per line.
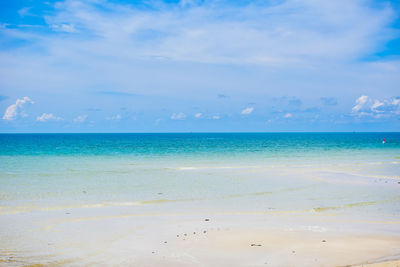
130,239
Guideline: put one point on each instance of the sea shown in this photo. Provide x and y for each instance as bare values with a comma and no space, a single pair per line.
222,171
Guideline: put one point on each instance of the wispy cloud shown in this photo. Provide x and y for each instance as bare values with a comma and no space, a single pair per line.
114,117
25,11
45,117
178,116
17,110
80,119
216,117
264,33
63,28
288,115
360,102
377,104
247,111
198,115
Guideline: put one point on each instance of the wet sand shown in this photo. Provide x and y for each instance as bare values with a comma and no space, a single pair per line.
199,240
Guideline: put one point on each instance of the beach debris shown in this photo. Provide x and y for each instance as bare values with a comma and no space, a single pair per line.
398,182
165,242
185,234
152,252
194,233
67,213
204,231
293,251
207,220
177,235
160,193
256,245
84,192
324,240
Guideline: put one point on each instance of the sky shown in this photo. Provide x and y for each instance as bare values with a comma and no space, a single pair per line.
199,66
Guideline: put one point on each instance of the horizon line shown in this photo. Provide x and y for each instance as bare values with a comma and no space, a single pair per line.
197,132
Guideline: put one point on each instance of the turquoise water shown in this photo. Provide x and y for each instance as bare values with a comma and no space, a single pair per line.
219,171
198,144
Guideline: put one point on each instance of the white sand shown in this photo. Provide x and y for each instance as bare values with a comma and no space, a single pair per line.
189,240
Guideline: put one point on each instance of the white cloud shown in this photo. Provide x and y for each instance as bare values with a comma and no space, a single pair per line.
198,115
247,111
367,107
48,117
17,110
360,102
80,118
114,118
377,104
209,32
216,117
178,116
25,11
396,102
63,28
288,115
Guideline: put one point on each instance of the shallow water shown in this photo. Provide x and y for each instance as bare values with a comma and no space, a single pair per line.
50,170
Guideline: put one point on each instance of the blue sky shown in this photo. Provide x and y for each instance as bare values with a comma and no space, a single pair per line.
201,66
